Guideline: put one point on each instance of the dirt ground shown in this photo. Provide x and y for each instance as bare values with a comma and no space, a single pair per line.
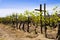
9,33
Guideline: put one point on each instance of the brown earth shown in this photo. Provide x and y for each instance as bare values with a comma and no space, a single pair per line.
9,33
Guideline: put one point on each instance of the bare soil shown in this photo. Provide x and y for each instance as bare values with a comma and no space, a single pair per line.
9,33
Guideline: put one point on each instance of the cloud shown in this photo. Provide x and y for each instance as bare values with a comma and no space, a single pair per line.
9,11
4,12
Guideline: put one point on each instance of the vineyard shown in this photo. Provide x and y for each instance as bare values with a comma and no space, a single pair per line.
35,22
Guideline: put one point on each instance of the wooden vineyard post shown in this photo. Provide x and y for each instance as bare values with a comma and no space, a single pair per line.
28,25
16,21
58,34
13,21
20,25
45,19
40,16
23,26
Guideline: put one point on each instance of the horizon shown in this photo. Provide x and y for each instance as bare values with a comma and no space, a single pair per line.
8,7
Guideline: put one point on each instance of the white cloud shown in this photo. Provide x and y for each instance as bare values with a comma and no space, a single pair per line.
9,11
4,12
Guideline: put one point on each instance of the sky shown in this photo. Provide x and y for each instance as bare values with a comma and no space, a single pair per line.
8,7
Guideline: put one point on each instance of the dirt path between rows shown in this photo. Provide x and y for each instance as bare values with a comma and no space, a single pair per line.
9,33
